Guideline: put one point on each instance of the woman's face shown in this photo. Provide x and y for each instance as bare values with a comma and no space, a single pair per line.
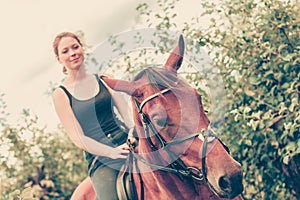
70,53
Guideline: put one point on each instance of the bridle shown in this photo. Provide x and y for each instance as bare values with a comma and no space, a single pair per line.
178,166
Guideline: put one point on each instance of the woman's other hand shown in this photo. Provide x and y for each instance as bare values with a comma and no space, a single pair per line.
119,152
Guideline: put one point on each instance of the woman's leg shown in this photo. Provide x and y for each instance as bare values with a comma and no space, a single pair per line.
104,182
84,191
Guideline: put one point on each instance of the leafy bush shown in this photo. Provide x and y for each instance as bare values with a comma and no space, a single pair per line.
257,49
255,45
46,163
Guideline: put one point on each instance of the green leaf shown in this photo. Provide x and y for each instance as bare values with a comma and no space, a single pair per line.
249,92
15,193
202,43
294,103
27,193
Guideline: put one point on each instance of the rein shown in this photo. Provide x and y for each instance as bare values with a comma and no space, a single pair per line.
177,167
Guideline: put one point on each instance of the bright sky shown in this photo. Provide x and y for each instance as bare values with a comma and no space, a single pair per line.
28,28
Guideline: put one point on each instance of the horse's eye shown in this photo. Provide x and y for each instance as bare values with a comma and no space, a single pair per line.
161,122
139,96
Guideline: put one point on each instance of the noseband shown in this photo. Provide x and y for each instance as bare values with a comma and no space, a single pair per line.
177,167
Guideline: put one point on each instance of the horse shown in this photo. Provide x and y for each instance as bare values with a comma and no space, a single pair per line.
179,155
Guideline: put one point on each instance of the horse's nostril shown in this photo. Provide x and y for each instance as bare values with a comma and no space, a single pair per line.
224,183
233,184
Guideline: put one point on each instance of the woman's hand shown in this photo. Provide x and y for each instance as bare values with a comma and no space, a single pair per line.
119,152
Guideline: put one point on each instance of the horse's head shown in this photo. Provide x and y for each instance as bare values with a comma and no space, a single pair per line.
170,120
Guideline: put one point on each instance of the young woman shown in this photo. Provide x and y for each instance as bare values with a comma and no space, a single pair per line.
85,107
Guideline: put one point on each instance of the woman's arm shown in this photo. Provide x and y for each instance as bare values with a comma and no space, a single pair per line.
75,132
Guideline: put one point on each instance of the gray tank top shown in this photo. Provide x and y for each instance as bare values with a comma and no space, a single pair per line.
97,118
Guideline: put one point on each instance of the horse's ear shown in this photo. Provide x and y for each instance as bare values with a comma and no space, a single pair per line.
175,58
120,85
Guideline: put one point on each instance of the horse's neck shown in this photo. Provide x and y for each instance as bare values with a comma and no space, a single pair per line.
158,184
164,185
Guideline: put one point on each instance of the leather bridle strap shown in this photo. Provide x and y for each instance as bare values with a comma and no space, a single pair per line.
180,140
178,166
207,138
147,121
187,171
141,105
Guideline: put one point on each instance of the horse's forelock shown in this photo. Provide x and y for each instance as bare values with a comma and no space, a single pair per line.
158,78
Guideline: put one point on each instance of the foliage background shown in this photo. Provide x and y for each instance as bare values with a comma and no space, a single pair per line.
45,161
257,51
254,44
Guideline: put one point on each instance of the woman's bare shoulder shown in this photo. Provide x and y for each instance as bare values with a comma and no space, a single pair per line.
57,92
58,95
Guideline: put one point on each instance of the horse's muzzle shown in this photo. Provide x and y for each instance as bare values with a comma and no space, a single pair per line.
231,185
